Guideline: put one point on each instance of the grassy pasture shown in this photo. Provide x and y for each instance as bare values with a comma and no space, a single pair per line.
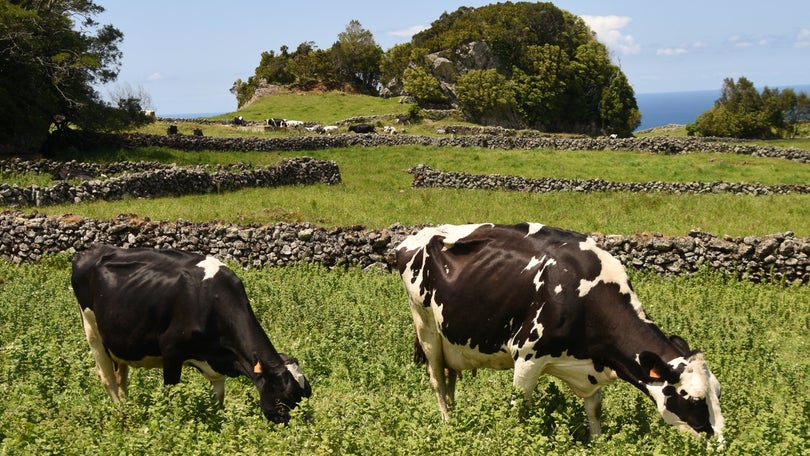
376,192
352,332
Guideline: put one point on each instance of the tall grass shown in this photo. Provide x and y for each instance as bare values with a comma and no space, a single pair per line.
353,333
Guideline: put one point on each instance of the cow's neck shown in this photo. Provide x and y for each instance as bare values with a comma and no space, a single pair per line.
250,344
630,343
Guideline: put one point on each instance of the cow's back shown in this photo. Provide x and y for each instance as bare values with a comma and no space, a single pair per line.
139,295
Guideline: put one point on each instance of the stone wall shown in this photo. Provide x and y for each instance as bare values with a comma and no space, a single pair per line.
486,137
425,176
150,180
27,237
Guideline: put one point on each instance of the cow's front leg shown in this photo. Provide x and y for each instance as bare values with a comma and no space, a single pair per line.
171,371
526,376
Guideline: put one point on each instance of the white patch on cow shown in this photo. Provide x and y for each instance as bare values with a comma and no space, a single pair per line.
534,228
577,373
450,233
558,289
211,266
533,263
611,271
295,370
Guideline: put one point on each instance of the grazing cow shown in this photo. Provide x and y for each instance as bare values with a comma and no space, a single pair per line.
545,300
294,123
389,130
329,129
362,128
275,123
169,308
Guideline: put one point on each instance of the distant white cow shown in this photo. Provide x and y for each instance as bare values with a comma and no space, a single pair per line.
389,130
329,129
294,123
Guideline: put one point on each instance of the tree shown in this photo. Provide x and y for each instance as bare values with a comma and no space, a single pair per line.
51,55
356,57
423,86
618,109
486,96
743,112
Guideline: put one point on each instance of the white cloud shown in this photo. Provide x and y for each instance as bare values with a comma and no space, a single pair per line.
408,32
743,42
607,30
670,51
154,77
700,44
802,39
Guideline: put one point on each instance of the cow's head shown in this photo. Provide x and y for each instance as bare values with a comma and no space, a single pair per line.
685,391
280,389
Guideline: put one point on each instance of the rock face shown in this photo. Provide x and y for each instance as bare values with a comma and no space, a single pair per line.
27,237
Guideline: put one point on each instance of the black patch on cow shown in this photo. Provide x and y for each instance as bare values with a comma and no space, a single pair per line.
592,379
694,411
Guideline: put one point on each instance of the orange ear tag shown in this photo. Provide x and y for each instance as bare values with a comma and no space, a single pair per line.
654,374
257,369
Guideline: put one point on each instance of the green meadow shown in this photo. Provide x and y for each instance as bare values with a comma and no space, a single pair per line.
352,332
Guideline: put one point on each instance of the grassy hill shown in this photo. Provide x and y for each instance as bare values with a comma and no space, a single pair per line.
317,106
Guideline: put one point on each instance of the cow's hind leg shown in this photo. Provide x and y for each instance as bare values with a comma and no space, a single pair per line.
439,378
122,375
105,366
593,408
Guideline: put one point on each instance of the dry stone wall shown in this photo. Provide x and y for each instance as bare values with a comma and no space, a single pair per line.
150,180
27,237
425,176
486,137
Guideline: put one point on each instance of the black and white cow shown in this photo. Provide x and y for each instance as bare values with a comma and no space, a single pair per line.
362,128
169,308
543,300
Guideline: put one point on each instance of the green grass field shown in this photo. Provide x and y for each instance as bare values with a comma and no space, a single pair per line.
352,333
376,192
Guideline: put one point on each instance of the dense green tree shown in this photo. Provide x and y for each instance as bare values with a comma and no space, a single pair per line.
743,112
356,58
52,53
419,83
561,77
486,96
618,109
310,66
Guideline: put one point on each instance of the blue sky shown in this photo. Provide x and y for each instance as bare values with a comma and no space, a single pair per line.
186,55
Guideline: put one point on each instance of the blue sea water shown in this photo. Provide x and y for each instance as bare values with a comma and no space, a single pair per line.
666,108
659,109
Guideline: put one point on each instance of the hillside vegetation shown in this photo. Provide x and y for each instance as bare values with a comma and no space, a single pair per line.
521,64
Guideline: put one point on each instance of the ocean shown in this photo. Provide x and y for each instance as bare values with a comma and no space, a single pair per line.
666,108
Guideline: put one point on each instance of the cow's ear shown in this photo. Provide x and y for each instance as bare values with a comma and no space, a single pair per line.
681,345
655,368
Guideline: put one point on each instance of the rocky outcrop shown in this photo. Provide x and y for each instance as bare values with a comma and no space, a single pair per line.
27,237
